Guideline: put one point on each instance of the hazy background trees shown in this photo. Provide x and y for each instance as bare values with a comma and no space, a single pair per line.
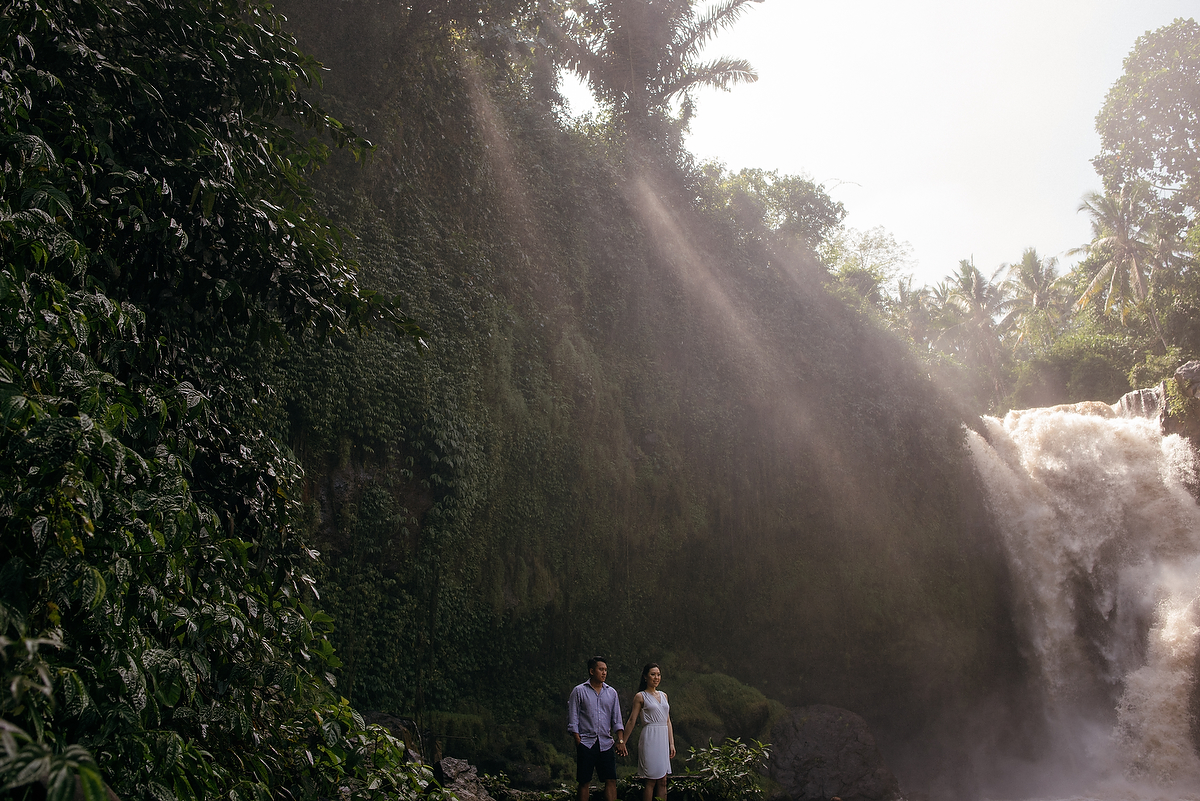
1125,315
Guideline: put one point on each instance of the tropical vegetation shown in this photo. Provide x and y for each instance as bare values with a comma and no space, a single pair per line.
382,387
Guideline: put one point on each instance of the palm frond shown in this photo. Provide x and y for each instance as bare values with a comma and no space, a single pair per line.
1094,286
720,74
574,53
1138,282
699,32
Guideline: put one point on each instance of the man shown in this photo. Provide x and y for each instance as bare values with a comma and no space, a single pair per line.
593,714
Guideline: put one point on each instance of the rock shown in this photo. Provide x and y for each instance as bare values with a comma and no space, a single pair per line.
1180,412
821,752
1176,403
400,728
1188,379
459,777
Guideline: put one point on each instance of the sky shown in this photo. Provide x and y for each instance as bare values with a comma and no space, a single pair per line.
964,128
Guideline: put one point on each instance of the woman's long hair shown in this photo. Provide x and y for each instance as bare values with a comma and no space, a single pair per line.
646,674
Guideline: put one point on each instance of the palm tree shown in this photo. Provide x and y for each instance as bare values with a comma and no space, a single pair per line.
1036,293
910,311
638,55
943,315
1121,248
939,295
979,301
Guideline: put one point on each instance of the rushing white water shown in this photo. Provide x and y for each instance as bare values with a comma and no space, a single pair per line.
1104,542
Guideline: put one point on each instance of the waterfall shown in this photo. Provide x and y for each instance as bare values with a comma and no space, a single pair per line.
1103,540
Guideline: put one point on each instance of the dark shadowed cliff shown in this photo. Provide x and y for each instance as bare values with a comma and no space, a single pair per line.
643,423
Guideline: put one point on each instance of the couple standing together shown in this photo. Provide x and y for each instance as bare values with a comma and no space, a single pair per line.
594,713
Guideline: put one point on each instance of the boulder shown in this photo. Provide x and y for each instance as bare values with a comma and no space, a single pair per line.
1188,379
459,777
1176,403
400,728
822,752
1181,410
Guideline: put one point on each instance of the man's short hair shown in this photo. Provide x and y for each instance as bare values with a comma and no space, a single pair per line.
595,660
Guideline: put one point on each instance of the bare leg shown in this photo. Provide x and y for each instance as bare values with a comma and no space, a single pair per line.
610,790
648,792
660,788
585,791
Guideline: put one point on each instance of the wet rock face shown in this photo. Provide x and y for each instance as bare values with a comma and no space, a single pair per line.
1183,415
822,752
1140,403
1188,378
1176,404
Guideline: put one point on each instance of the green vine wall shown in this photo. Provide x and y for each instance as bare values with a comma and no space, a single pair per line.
639,424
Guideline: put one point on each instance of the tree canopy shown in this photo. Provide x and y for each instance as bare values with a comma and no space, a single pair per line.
1149,125
638,55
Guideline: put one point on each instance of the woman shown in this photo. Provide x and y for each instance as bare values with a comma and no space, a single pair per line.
656,749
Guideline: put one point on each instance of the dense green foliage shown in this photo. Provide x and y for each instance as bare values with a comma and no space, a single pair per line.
725,772
157,610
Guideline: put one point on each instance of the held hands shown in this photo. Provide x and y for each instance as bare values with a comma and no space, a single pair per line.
621,749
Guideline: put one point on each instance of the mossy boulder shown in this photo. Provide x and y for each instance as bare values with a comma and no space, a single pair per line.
1181,409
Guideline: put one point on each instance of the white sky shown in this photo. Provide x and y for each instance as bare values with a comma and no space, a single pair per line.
964,128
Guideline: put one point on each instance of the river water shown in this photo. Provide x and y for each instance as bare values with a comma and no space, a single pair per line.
1103,539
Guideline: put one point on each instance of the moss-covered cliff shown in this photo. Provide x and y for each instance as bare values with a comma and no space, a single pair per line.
640,425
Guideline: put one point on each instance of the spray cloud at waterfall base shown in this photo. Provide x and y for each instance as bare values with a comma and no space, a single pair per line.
1103,539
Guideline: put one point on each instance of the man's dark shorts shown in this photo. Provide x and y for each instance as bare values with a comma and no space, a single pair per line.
604,763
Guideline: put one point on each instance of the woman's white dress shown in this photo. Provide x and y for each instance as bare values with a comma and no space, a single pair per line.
654,747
